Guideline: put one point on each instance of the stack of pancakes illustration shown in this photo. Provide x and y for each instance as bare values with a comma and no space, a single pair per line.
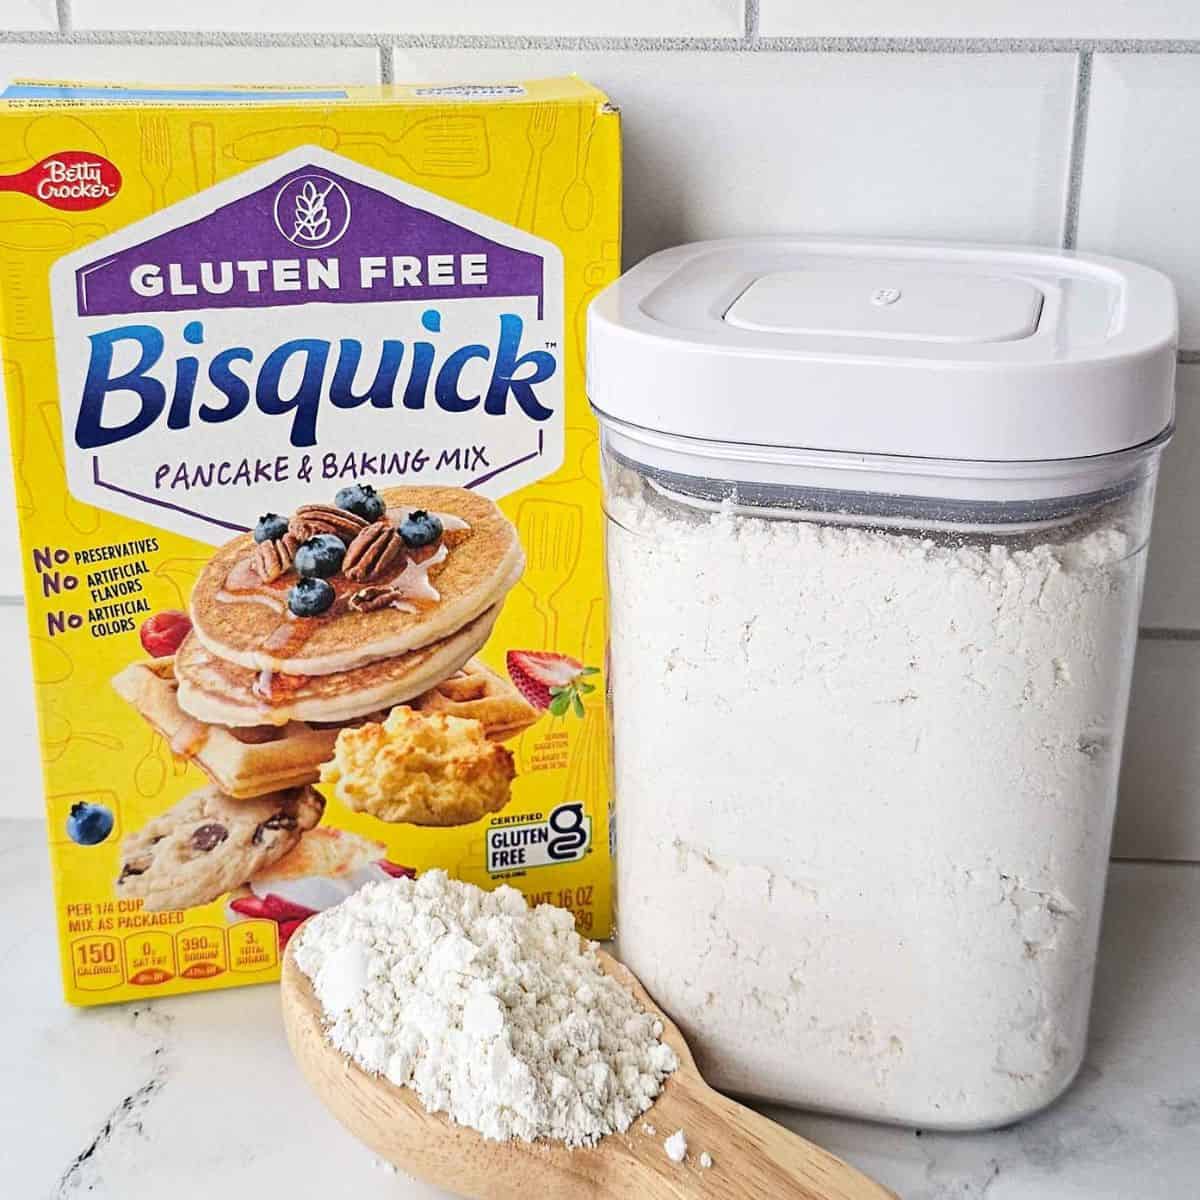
311,625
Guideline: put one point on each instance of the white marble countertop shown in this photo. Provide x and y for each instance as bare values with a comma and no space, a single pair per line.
196,1096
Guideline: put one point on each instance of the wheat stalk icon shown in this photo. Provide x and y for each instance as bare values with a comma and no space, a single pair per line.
312,217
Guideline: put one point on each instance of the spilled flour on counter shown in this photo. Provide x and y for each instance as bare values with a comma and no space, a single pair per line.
494,1013
676,1146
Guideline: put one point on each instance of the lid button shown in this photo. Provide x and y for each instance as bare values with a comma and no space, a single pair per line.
884,296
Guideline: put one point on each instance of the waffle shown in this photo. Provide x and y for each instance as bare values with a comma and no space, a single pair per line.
243,762
250,760
477,693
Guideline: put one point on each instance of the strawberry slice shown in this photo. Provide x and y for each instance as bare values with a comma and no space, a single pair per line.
396,871
279,909
270,908
249,906
286,929
550,681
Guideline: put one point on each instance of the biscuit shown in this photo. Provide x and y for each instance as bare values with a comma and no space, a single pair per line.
209,843
420,769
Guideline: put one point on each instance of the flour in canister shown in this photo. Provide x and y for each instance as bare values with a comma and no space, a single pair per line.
865,784
494,1013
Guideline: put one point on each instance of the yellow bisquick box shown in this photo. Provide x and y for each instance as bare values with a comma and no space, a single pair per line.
309,504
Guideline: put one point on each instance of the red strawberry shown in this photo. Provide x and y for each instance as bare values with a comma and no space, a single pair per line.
396,871
286,915
276,908
286,929
163,632
550,681
248,906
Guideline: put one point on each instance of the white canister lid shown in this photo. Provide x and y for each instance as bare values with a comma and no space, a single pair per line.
962,352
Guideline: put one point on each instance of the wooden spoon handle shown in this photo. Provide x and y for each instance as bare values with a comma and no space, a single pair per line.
753,1158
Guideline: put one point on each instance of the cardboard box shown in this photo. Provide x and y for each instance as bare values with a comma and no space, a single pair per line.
219,305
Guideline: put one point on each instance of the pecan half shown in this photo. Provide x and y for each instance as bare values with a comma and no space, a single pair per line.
372,599
373,551
274,558
311,519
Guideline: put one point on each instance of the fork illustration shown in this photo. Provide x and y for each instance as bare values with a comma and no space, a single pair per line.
155,139
542,123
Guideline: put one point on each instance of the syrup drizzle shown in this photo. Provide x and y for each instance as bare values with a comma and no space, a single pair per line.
262,684
413,582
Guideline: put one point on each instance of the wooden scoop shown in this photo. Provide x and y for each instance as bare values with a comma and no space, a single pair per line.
753,1158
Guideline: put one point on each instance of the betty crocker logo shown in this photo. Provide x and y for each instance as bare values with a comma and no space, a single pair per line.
72,180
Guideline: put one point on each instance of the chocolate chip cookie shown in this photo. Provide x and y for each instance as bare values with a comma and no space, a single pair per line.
210,843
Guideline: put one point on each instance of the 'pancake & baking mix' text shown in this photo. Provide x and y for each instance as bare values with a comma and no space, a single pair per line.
309,504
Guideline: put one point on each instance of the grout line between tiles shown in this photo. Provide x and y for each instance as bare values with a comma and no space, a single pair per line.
1082,105
1155,862
387,64
751,40
62,10
1169,635
752,20
1189,357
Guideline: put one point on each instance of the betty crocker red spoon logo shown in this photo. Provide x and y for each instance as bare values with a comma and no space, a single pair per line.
72,180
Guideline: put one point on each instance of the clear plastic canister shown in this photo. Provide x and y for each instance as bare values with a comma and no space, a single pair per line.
877,526
868,716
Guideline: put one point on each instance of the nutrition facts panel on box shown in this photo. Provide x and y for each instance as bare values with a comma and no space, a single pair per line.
151,957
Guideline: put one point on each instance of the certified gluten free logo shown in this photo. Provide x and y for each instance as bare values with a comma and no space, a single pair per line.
516,844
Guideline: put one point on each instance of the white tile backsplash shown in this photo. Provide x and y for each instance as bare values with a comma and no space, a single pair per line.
1159,812
952,18
1141,172
28,14
1173,576
587,18
733,143
190,64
